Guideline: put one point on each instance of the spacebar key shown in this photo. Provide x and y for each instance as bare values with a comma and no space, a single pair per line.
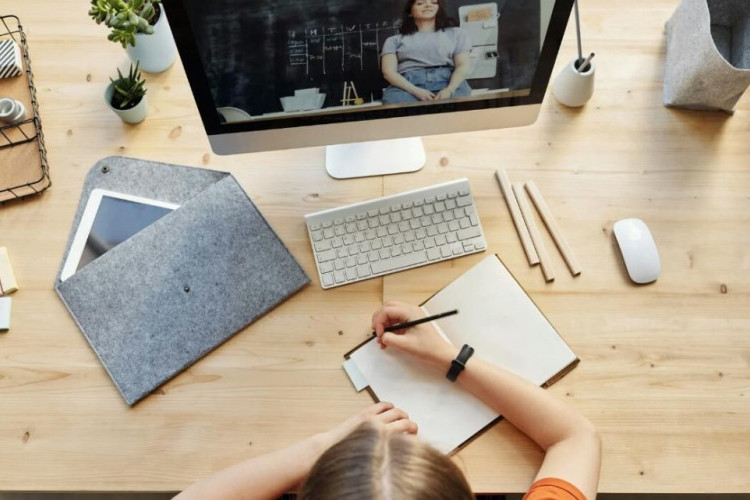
409,259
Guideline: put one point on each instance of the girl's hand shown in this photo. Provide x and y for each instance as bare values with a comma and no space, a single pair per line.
379,414
446,93
421,341
422,94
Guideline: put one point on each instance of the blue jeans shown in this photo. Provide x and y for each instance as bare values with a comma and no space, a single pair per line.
432,79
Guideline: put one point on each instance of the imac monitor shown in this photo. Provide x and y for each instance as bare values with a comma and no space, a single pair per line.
361,77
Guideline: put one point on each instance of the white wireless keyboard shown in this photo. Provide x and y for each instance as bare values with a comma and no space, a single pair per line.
385,235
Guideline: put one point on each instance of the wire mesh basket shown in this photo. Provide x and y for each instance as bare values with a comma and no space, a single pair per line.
24,170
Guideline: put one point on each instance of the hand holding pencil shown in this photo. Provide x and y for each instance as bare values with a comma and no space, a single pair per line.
405,327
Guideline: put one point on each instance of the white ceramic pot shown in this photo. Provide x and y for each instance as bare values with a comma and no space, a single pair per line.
572,88
134,115
156,52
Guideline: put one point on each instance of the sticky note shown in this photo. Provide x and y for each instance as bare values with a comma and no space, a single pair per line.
5,303
8,282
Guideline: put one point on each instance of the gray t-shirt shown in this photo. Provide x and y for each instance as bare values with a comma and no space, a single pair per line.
427,48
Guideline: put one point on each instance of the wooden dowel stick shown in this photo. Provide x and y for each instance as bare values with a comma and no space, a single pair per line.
554,229
536,237
515,213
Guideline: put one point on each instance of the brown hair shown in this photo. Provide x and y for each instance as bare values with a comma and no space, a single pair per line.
373,464
442,21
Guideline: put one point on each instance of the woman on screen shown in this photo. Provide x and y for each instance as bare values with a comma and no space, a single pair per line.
376,455
429,59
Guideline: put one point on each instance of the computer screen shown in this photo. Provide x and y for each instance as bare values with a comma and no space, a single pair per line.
284,74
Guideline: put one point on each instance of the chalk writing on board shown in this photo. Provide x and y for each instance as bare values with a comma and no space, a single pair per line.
341,48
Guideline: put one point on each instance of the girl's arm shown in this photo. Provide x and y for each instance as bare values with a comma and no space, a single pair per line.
461,69
571,444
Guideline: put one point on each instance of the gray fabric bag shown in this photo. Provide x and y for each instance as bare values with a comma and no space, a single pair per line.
708,54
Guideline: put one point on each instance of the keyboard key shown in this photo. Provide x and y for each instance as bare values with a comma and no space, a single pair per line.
326,255
351,262
348,239
446,251
338,221
315,227
450,204
359,238
339,265
463,201
373,256
340,230
433,253
339,276
451,237
453,225
351,274
473,219
361,259
440,239
350,218
363,271
328,233
457,248
342,252
411,259
327,279
327,223
317,235
326,267
337,242
322,245
361,216
464,222
361,225
465,234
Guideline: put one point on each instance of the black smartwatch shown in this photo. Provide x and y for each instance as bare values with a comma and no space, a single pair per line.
458,364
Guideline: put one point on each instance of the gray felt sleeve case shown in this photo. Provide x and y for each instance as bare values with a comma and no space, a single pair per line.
164,298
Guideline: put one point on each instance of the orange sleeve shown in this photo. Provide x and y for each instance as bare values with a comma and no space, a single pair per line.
551,488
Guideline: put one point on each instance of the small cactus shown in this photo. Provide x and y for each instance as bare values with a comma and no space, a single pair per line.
128,90
125,17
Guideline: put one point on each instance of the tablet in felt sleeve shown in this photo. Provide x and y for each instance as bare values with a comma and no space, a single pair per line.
161,300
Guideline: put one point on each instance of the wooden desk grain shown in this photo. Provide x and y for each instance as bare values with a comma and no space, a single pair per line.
664,371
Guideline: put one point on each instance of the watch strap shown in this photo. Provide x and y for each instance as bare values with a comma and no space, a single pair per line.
458,364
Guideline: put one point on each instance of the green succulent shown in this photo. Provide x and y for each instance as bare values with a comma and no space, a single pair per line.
125,17
128,90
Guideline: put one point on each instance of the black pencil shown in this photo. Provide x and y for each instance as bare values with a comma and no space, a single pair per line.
409,324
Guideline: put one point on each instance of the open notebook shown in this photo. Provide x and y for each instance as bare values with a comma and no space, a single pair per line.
504,326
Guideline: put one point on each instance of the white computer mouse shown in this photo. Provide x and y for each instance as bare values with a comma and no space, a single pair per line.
638,250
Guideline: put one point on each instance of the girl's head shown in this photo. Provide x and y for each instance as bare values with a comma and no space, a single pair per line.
417,10
374,464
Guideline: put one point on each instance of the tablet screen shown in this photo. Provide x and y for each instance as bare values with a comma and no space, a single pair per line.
116,221
109,219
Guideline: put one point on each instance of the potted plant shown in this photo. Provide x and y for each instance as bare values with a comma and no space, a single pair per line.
126,95
141,27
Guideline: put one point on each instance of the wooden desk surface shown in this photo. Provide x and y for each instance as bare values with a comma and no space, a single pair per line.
664,371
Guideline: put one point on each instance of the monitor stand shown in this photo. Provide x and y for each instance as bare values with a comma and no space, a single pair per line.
364,159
